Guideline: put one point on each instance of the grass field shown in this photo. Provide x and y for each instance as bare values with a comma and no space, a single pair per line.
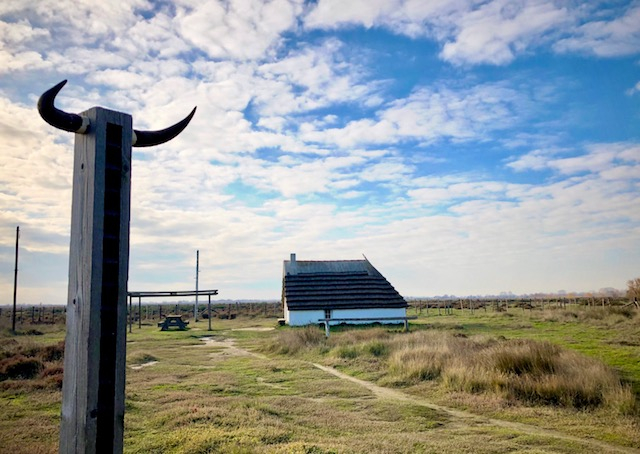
251,387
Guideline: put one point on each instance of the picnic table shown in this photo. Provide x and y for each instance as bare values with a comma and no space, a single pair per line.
173,320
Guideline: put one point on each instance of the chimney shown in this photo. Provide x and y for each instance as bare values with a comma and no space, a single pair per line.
293,258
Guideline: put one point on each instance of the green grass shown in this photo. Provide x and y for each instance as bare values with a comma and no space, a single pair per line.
200,398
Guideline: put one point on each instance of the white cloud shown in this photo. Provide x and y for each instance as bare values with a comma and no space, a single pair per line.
605,38
635,89
35,178
493,32
330,13
498,30
311,78
599,158
431,114
238,29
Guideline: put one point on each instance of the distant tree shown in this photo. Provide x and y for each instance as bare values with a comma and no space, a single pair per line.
633,290
611,292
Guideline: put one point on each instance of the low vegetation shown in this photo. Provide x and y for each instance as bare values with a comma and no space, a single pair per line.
242,389
29,365
522,370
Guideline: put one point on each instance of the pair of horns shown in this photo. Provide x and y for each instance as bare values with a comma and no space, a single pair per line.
75,123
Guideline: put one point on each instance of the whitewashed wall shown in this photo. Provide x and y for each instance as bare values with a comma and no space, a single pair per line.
298,318
370,313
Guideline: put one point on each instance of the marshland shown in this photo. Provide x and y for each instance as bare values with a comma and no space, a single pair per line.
538,379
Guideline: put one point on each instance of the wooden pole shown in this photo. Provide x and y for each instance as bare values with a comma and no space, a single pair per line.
15,284
209,312
195,307
95,347
139,312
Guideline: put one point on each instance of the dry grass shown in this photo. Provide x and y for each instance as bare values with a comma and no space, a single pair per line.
28,365
292,341
527,371
521,371
201,398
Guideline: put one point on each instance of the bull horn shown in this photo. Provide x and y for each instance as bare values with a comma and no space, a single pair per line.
150,138
58,118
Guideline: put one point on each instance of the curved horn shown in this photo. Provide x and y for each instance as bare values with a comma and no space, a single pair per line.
149,138
58,118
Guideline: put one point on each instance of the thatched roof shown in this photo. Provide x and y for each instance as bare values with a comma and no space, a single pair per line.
338,284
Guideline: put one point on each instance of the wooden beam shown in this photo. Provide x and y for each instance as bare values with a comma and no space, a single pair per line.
94,363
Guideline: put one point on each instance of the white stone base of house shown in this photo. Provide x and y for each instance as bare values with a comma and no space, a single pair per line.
301,318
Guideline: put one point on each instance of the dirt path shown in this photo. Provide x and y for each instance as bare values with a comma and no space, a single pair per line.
229,348
392,394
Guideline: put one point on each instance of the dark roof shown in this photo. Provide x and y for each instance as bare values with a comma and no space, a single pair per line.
339,284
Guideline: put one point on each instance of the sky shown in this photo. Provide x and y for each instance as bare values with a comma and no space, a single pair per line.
465,147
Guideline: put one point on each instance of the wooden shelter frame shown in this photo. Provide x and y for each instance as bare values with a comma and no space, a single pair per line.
165,294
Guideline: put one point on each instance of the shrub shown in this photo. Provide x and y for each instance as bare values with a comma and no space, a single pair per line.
523,370
347,352
525,357
294,340
52,353
377,348
142,358
20,367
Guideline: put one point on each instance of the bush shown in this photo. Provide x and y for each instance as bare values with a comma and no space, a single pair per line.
20,367
52,353
142,358
522,370
525,357
377,348
347,352
294,340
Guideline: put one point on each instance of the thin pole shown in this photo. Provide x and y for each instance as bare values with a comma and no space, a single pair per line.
139,312
195,307
209,311
15,284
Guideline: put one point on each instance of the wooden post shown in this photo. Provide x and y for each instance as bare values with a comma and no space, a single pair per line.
139,312
209,311
94,361
15,284
195,306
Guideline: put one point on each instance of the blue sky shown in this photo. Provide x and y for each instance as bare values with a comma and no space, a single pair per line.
465,147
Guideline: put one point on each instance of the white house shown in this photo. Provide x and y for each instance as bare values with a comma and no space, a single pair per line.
340,289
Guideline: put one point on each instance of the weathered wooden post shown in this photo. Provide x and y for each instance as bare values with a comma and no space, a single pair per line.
15,284
94,361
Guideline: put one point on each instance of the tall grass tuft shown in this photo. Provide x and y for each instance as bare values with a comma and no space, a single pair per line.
294,340
520,370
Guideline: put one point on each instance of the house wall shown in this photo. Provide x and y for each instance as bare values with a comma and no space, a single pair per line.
369,313
299,318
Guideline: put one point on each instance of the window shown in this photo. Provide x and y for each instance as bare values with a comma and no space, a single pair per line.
327,313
